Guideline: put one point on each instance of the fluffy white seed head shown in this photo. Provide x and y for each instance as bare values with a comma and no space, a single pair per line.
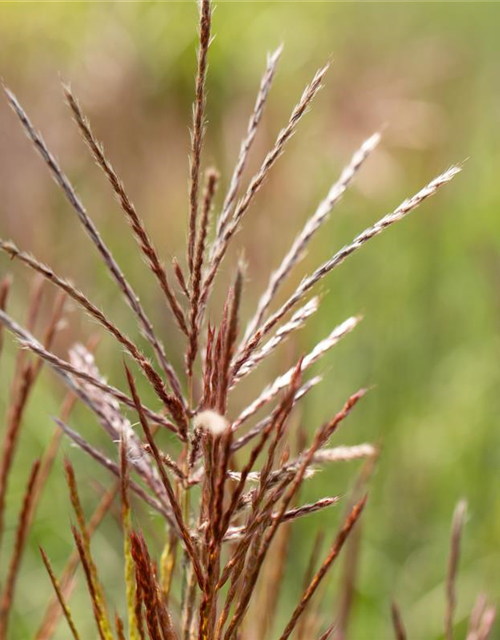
211,421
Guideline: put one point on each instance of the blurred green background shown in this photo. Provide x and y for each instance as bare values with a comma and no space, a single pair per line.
428,289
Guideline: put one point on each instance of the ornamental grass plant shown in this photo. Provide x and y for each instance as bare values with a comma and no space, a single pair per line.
227,482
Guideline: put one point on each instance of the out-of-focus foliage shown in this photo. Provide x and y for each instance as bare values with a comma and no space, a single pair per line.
429,290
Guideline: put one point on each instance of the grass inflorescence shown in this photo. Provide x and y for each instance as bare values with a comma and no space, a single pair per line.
232,494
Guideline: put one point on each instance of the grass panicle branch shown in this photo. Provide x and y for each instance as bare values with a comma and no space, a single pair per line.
5,287
280,383
24,381
82,539
60,596
246,145
66,581
114,468
23,525
212,179
63,368
129,294
10,249
338,258
342,536
137,225
197,132
257,181
311,227
174,503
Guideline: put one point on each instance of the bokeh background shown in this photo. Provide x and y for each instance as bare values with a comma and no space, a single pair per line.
428,74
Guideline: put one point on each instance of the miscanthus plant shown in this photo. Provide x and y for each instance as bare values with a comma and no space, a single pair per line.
229,498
